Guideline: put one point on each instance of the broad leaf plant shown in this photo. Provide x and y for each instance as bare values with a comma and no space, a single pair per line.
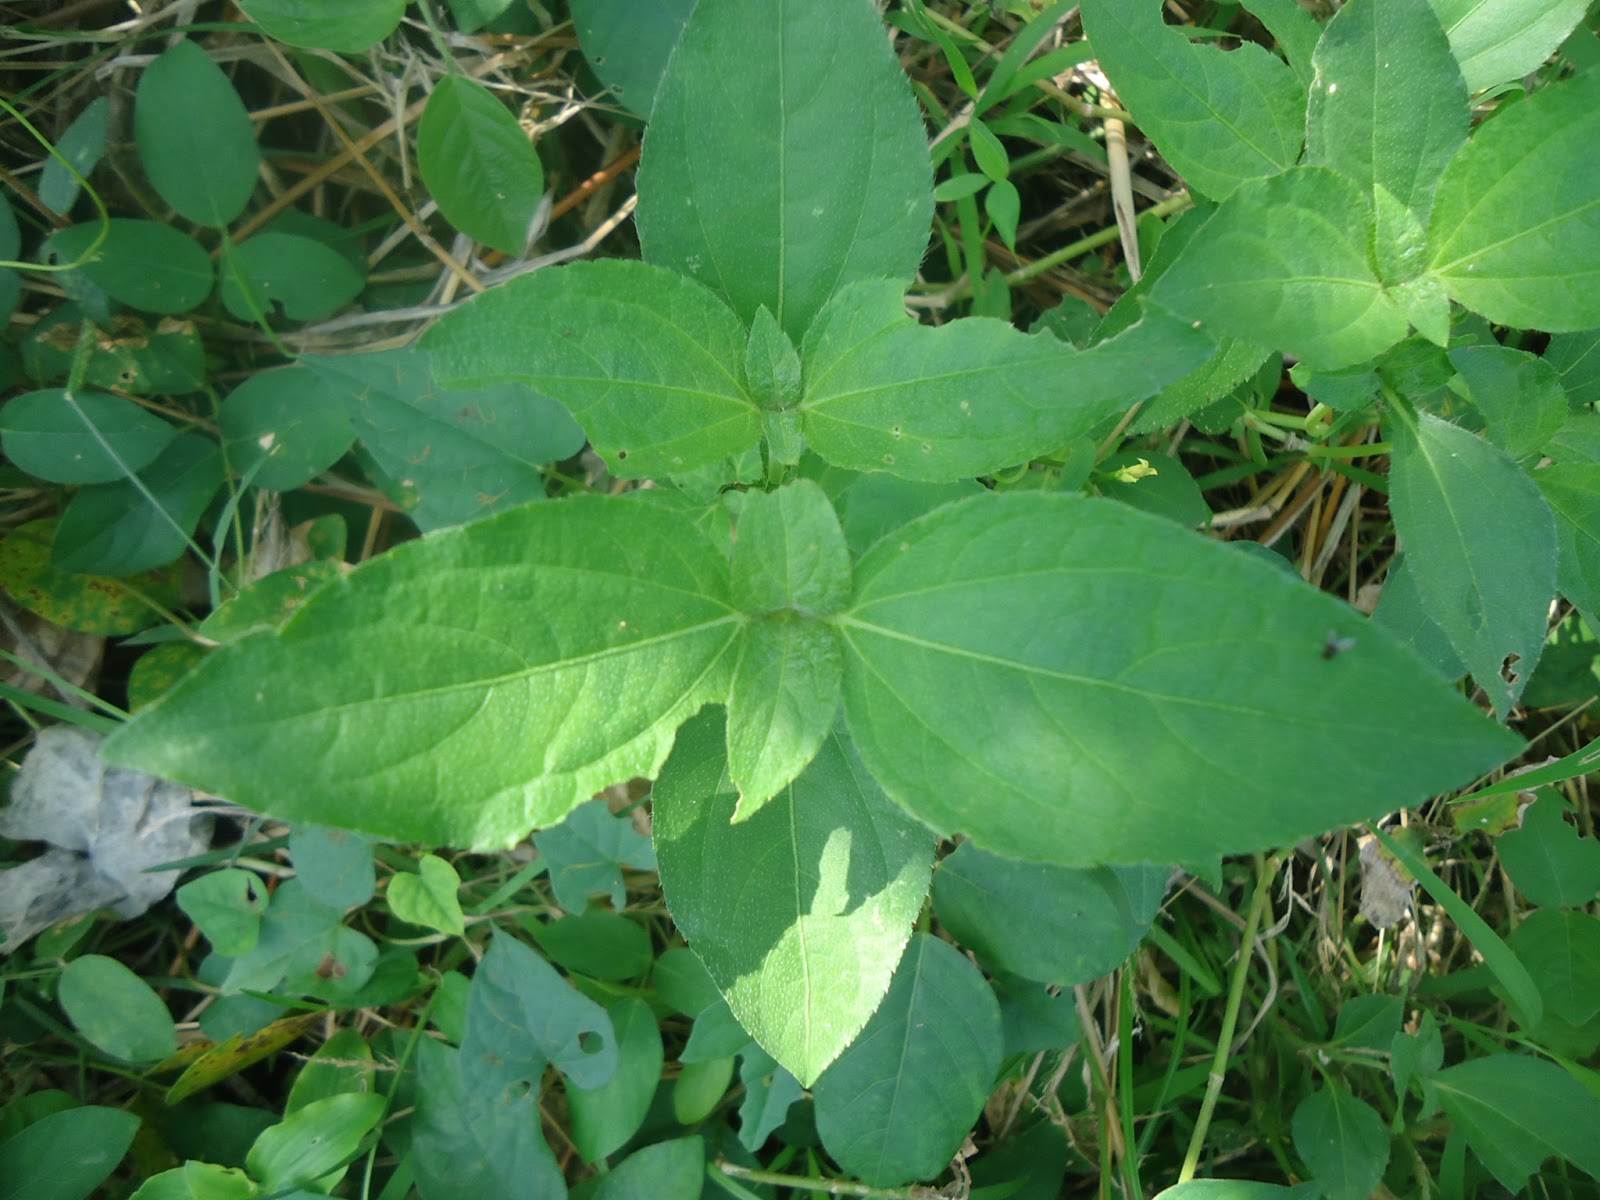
831,647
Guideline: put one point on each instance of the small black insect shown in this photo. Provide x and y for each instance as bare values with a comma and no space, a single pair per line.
1336,645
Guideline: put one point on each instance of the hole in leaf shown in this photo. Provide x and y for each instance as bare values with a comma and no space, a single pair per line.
591,1042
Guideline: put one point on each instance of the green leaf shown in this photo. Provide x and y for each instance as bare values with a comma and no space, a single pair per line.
196,142
455,456
1516,1112
771,364
790,553
628,43
674,1170
1519,395
769,1092
335,866
781,704
1577,357
479,164
801,910
1008,658
429,897
790,565
226,905
283,428
471,1140
66,1155
1550,861
301,275
1380,121
85,603
132,526
699,1088
266,603
1219,117
543,655
81,437
968,398
644,359
1515,233
1496,41
828,149
82,145
606,1117
348,27
1561,950
1343,1141
1481,545
142,264
899,1101
1237,1189
304,947
343,1064
314,1141
1061,925
116,1010
522,1015
596,943
586,854
1285,262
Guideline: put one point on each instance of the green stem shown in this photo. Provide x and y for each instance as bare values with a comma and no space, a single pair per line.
1266,873
830,1187
1094,241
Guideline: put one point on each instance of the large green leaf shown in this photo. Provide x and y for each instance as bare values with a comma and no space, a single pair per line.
1343,1140
799,911
465,688
142,264
452,455
1285,262
883,393
469,1140
348,27
1219,117
479,164
1497,41
789,564
628,42
66,1155
816,178
645,360
1561,950
1550,861
82,436
304,277
1516,1112
1515,233
1072,681
116,1010
1061,925
1481,545
606,1117
1388,106
196,142
898,1103
1520,396
522,1015
136,524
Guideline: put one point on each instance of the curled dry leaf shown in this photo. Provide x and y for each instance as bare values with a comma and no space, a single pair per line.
104,828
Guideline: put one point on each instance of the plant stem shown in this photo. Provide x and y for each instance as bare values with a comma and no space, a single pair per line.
1103,237
831,1187
1266,873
